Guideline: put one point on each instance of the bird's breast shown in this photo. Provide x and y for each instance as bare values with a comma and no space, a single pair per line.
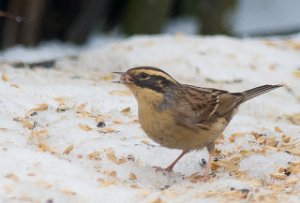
163,128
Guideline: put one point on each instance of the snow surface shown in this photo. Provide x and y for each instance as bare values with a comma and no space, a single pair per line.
54,49
52,150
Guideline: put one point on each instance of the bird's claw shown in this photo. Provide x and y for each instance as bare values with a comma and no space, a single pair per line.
205,178
162,170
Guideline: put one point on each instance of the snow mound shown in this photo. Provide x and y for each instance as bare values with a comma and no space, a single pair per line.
68,134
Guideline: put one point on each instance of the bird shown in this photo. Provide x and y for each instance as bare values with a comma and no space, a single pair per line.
182,116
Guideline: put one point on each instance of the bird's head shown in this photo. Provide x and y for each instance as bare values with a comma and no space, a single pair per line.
143,81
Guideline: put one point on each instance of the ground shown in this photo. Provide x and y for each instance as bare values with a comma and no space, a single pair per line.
69,134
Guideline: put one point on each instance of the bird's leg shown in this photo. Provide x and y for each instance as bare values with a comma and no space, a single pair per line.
171,166
210,148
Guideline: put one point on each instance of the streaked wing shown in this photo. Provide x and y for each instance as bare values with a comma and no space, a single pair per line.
204,104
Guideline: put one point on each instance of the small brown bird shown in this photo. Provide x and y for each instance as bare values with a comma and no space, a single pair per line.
180,116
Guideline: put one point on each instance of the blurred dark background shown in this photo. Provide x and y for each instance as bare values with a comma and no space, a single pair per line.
29,22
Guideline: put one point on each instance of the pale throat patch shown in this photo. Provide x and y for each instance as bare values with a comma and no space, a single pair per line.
146,95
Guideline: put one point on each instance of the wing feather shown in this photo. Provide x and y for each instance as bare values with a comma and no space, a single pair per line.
203,105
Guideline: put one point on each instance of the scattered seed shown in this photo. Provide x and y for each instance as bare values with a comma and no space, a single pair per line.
215,159
101,118
271,141
277,129
296,73
5,77
12,176
134,186
33,113
278,176
38,133
287,172
130,157
294,167
294,151
234,136
68,192
195,177
157,200
26,123
62,108
106,130
147,142
60,100
85,127
203,162
49,201
38,108
44,147
261,140
14,85
117,121
106,183
112,173
165,187
112,157
132,176
292,180
80,108
285,138
295,119
126,110
68,149
101,124
94,155
107,77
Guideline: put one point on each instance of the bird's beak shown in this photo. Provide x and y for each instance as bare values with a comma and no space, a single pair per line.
125,78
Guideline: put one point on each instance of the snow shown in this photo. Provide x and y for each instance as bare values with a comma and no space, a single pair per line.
54,49
67,158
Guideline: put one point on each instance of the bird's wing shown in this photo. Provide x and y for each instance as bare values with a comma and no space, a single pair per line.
205,104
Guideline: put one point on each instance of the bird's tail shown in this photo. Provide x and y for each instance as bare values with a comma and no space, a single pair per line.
249,94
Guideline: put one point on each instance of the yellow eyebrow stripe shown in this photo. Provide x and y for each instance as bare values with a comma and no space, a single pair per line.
156,73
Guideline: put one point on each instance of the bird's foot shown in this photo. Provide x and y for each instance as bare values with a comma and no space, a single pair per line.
163,170
205,178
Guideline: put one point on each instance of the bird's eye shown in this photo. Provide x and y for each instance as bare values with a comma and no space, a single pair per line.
144,76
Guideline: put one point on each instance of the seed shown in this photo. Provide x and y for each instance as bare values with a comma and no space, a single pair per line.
101,124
